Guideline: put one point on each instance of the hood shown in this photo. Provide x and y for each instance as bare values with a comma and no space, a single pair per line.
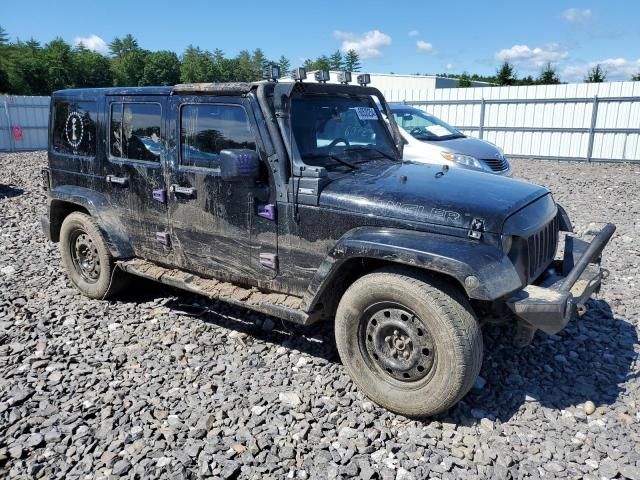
420,192
468,146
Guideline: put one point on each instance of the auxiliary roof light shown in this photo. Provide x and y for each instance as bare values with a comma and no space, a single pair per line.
364,79
299,74
344,77
271,72
322,76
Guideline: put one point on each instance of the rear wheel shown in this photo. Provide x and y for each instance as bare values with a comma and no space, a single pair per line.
411,343
86,258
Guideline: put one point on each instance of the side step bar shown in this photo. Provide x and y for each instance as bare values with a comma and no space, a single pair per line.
279,305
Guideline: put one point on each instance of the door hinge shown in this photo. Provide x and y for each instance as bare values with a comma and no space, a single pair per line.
163,238
269,260
267,211
160,195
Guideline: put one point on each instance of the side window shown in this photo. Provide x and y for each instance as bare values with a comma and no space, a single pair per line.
206,129
135,131
74,128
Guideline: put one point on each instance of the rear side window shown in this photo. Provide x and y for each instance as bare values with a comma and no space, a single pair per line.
74,128
206,129
135,131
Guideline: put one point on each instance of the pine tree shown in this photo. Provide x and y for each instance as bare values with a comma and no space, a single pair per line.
596,75
336,62
506,75
464,81
548,76
4,36
285,66
352,61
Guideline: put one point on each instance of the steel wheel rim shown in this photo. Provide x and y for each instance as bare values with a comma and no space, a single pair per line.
396,343
84,254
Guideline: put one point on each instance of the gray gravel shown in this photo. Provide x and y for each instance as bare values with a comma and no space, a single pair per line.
166,384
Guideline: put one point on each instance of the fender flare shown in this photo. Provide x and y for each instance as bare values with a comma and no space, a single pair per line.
452,256
101,210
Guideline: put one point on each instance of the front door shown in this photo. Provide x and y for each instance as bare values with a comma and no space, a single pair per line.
215,222
134,175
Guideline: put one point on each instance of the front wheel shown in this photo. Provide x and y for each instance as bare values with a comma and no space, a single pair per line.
410,343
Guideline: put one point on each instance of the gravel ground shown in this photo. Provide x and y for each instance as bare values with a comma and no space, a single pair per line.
166,384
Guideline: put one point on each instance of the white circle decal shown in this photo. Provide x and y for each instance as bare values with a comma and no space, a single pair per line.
74,129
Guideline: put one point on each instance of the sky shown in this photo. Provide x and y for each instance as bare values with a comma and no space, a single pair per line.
397,36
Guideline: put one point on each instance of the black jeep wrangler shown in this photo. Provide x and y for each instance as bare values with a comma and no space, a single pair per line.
291,199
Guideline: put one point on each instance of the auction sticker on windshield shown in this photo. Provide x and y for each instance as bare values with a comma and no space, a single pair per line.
438,130
366,113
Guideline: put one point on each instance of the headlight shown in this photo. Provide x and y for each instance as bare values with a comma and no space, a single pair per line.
465,160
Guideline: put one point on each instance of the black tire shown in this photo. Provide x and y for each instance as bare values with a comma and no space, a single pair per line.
86,258
417,366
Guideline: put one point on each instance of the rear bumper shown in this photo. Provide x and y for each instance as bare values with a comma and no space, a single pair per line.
569,284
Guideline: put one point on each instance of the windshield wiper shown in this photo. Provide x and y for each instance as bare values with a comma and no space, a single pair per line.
377,150
332,157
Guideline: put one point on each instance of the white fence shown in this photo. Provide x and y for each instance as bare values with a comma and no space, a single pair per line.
23,123
580,121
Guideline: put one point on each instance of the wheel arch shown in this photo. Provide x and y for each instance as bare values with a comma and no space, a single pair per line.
67,199
453,259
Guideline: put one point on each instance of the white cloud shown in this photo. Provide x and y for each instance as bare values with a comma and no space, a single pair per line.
424,47
615,68
92,42
532,58
368,45
576,15
413,33
449,66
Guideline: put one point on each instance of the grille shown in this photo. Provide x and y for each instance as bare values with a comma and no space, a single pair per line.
497,164
542,248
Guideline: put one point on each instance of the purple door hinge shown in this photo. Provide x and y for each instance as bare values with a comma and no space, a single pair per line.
163,238
269,260
160,195
267,211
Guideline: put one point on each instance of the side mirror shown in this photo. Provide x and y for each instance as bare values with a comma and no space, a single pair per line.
239,164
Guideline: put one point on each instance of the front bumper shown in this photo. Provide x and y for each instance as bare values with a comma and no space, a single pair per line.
550,305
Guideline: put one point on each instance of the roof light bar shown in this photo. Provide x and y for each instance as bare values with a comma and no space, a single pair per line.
344,77
271,72
322,76
299,74
364,79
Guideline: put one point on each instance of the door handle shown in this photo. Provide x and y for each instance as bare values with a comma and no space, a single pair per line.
186,191
117,180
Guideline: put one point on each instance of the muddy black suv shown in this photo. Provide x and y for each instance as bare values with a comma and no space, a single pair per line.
291,199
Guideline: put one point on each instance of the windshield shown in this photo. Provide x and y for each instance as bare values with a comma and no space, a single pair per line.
423,126
338,131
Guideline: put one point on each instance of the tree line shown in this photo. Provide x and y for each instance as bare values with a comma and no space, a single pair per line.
506,75
29,68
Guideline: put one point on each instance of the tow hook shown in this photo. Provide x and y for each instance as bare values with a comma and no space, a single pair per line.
582,309
524,334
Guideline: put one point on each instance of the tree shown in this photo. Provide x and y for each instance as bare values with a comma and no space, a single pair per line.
4,36
161,68
352,61
548,76
90,69
636,77
129,68
284,65
336,62
28,72
196,66
120,46
596,75
58,63
464,81
506,75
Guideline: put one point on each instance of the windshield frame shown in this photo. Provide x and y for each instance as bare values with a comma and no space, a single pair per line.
350,155
401,110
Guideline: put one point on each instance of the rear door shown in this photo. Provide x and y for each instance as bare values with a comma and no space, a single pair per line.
134,171
220,228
